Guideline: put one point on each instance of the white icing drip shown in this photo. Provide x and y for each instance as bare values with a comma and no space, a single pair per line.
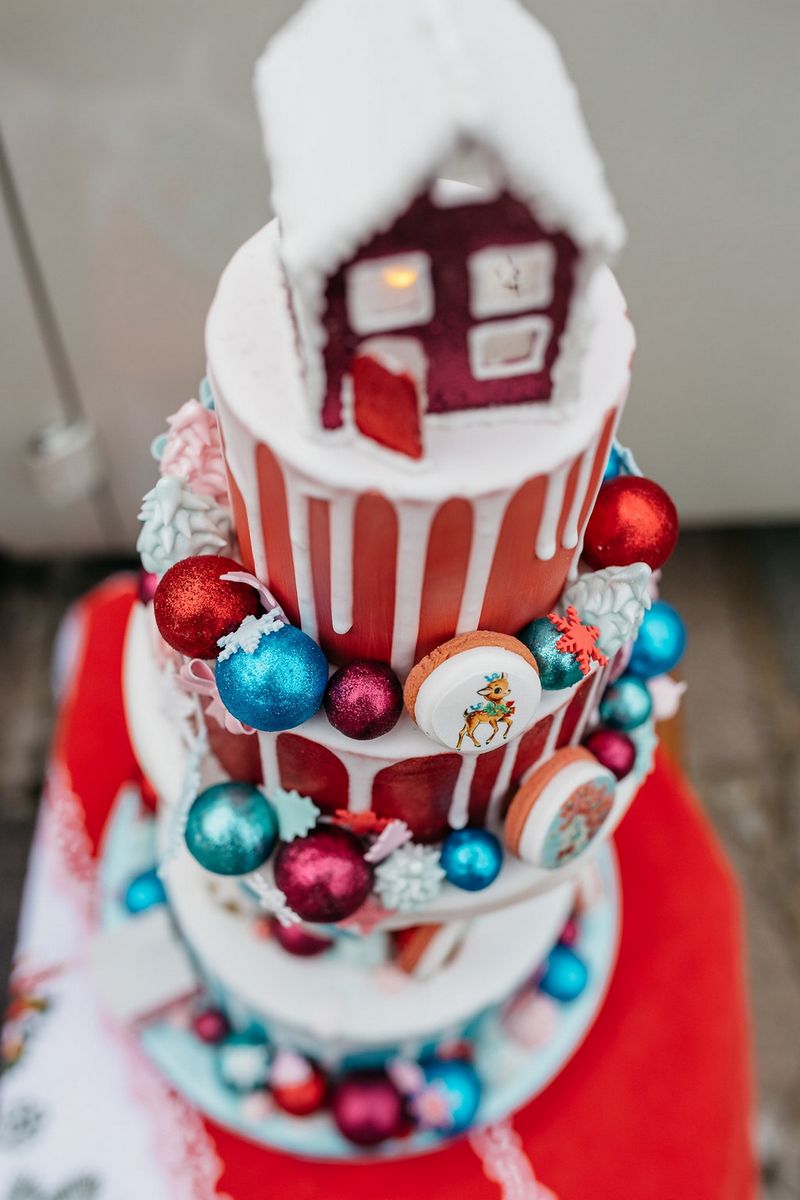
552,736
268,745
361,775
501,784
571,530
594,690
297,503
459,806
487,519
574,566
342,514
413,528
548,526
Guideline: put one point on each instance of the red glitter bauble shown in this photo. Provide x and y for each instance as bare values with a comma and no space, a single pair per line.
367,1108
613,749
194,607
324,876
303,1097
364,700
210,1025
633,520
295,940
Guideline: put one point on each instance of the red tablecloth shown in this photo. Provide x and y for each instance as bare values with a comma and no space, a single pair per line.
656,1105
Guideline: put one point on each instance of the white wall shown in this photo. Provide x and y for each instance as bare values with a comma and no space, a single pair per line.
134,142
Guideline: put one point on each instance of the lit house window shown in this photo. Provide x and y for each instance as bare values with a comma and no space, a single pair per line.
501,349
390,293
511,279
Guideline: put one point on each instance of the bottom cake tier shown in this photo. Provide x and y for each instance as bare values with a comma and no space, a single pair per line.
474,1036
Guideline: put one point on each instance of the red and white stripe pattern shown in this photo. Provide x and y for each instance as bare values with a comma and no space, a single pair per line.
369,577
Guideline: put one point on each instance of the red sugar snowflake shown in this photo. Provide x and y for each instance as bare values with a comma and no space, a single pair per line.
578,639
360,823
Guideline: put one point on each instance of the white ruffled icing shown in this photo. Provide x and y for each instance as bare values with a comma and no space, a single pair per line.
192,450
178,523
614,599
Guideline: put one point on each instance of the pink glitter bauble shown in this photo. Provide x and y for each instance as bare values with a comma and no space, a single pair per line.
364,700
210,1025
147,584
613,749
295,940
324,875
367,1108
570,933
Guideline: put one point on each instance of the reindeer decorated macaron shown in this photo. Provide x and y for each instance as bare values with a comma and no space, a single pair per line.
474,693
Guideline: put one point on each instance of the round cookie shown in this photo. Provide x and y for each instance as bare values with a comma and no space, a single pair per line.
475,692
560,809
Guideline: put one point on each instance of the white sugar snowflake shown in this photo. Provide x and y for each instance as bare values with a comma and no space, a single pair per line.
410,878
272,899
249,634
296,814
177,523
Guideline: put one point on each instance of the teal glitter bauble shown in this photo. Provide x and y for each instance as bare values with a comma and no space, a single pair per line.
557,669
461,1084
231,829
278,685
145,891
565,975
243,1061
626,704
471,858
660,643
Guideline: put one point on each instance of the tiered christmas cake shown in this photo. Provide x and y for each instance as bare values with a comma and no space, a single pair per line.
395,672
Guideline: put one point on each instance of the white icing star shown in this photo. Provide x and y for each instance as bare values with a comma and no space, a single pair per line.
249,634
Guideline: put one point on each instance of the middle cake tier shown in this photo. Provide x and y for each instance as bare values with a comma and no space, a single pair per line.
407,775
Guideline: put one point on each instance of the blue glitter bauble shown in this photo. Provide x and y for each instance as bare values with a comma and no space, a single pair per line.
243,1061
145,891
565,975
557,669
279,685
231,829
626,704
462,1086
614,466
471,858
205,394
660,643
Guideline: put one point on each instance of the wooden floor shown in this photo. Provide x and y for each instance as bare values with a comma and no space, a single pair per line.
739,592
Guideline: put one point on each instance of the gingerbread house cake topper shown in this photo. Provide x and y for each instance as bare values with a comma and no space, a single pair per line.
416,297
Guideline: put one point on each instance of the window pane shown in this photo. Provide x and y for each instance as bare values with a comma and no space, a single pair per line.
390,293
501,349
509,279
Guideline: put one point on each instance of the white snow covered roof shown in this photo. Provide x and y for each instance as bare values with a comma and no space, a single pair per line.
362,102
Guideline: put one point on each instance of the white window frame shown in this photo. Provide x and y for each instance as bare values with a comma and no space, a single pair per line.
360,281
482,263
478,335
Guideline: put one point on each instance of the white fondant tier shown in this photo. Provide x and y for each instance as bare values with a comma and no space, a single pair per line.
332,1008
373,556
161,749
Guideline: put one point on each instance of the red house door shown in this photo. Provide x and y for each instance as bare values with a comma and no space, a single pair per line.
388,377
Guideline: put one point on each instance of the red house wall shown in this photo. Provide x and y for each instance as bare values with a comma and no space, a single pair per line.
449,236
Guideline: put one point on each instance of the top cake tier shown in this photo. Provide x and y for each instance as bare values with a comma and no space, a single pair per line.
373,556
